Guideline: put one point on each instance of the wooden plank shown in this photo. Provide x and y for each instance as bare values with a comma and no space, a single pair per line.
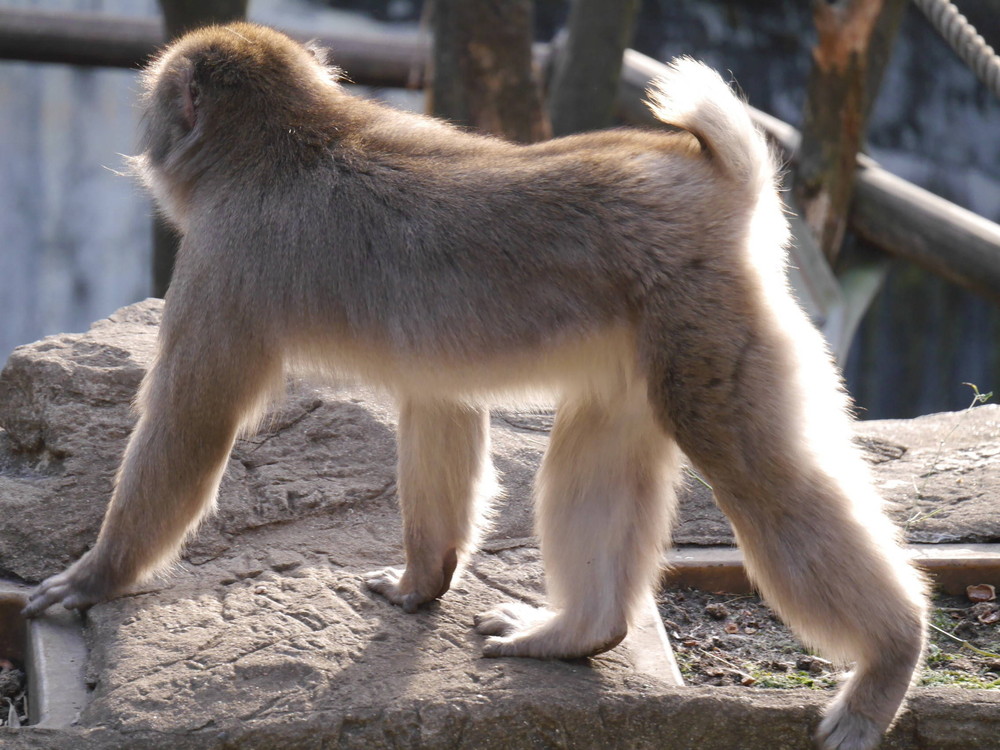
951,567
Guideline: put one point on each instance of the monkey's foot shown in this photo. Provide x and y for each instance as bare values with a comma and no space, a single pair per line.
408,589
846,729
522,630
77,587
390,584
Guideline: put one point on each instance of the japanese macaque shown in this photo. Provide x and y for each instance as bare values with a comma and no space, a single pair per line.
636,277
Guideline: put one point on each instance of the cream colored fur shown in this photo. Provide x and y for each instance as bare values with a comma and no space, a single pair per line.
636,277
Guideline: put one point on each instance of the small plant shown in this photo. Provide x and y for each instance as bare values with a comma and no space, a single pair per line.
977,399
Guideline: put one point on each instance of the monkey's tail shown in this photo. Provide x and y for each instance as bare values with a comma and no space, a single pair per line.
693,97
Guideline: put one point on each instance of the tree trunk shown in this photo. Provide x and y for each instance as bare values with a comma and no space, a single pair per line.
587,69
481,68
180,16
855,37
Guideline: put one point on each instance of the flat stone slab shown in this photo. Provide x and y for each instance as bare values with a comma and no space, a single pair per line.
263,635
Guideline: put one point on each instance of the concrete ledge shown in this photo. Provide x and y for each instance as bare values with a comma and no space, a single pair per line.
54,656
670,719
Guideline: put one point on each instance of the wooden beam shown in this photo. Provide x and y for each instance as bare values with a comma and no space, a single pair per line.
481,72
916,225
838,99
78,38
383,59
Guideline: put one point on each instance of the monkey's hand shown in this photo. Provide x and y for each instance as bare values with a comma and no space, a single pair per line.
78,587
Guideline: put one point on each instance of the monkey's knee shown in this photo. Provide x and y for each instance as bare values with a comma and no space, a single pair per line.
416,585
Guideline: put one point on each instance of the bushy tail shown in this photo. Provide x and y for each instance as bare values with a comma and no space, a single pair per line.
692,96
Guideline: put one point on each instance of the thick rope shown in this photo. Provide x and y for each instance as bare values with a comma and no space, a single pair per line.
965,40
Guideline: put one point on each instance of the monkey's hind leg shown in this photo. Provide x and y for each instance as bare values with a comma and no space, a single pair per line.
445,481
773,439
605,503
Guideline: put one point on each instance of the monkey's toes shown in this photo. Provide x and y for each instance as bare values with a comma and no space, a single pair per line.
842,729
506,619
521,630
388,583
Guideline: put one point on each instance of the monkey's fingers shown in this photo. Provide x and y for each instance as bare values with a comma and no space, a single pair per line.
58,588
51,590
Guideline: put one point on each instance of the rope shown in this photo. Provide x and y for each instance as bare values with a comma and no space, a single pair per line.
965,40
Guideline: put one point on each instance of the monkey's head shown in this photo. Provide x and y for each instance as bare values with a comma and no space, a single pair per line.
220,99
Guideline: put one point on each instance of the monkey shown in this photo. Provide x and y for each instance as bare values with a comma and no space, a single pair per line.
637,278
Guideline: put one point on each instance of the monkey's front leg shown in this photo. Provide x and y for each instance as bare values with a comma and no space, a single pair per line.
445,476
192,404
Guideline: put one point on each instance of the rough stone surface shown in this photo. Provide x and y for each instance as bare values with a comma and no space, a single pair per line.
939,475
263,636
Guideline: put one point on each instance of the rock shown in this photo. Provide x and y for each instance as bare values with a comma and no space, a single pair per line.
937,473
321,454
263,635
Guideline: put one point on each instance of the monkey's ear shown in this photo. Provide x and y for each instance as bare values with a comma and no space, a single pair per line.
321,53
190,95
324,57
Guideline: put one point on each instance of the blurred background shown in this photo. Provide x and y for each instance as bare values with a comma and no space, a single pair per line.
76,237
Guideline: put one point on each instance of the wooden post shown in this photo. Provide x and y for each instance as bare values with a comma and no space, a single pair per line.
180,16
855,37
587,68
481,68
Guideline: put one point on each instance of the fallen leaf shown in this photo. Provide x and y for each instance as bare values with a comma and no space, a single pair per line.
989,618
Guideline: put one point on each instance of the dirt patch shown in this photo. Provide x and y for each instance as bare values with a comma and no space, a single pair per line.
12,694
722,639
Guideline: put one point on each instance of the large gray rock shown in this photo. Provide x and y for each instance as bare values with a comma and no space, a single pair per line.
263,636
